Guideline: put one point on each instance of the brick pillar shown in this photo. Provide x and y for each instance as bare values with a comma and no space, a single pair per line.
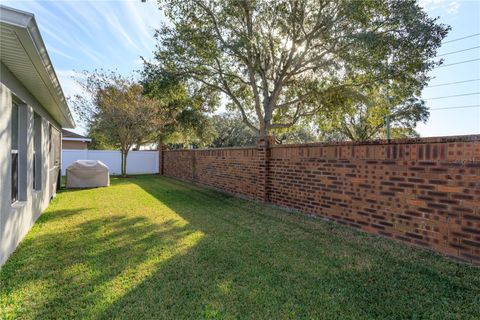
194,164
161,158
263,154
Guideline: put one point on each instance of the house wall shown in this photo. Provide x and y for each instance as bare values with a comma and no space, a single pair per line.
425,192
74,145
17,219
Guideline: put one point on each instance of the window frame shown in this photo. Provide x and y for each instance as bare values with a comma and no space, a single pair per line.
37,152
14,160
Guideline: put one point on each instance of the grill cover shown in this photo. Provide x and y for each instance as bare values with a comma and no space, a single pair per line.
87,174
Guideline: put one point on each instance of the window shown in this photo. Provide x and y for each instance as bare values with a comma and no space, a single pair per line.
54,147
54,155
37,152
14,153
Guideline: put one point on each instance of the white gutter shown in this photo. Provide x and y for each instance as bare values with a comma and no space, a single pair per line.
26,21
77,139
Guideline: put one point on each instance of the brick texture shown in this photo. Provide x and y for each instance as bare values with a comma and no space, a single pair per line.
424,192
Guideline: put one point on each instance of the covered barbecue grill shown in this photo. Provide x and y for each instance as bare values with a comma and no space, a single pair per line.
87,174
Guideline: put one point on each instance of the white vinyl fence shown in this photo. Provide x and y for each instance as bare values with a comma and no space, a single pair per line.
138,162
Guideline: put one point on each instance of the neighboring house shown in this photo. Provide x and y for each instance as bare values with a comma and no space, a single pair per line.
32,112
75,141
147,147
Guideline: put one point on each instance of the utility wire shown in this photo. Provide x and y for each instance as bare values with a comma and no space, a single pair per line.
452,52
449,83
470,36
452,96
460,62
457,107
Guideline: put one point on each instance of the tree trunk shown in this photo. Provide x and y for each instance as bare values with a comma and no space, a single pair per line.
121,164
124,163
265,125
263,132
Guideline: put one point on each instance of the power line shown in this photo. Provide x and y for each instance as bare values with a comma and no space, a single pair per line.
457,107
470,36
460,62
452,52
452,96
449,83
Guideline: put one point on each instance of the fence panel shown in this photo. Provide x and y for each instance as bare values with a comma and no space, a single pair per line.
138,162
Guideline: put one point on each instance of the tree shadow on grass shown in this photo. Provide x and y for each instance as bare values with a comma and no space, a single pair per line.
77,271
260,262
222,257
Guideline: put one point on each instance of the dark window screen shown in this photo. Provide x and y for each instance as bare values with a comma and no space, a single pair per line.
14,177
37,152
14,127
14,152
34,171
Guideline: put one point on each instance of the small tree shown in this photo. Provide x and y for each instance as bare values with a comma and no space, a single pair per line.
280,61
115,107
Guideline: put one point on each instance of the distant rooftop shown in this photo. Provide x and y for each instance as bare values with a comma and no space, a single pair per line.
69,135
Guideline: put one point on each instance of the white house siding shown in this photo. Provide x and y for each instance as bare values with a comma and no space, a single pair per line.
17,219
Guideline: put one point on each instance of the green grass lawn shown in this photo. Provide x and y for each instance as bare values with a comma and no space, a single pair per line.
152,247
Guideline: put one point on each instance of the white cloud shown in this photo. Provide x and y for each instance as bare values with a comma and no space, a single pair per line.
70,13
430,4
92,54
61,53
69,85
120,31
142,25
54,35
453,7
71,88
450,7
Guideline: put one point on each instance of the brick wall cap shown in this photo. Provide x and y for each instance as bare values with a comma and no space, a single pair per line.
214,149
446,139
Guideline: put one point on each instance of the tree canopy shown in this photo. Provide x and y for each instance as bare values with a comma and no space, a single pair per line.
230,131
278,62
189,106
364,117
115,108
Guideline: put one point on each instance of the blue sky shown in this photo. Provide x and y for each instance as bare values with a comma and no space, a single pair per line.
84,35
464,18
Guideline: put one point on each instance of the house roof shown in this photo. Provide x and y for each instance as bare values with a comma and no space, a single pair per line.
72,136
24,53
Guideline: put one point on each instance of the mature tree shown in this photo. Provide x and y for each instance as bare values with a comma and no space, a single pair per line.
189,106
279,61
116,106
364,117
231,131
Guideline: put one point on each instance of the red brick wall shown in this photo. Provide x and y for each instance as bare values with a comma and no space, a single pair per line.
234,169
178,163
425,191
